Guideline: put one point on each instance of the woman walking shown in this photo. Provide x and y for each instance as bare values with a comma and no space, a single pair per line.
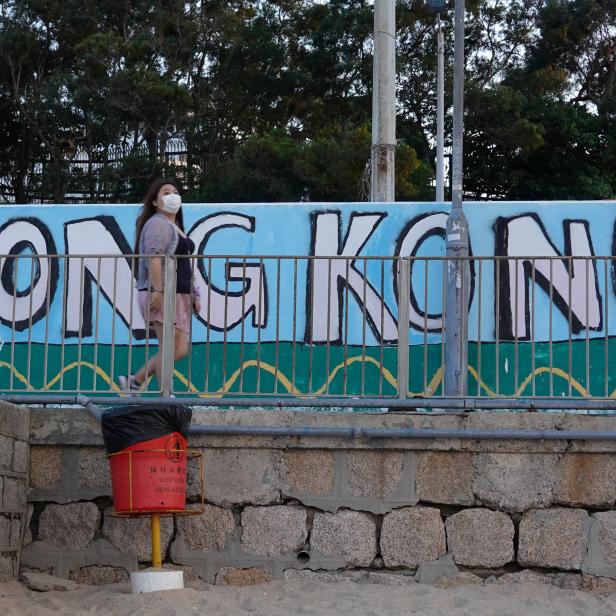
160,233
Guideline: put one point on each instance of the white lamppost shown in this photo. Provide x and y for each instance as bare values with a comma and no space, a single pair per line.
440,6
383,154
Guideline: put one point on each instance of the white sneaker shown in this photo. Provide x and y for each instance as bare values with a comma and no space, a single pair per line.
128,383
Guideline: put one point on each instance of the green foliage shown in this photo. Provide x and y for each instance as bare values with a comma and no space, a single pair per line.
333,164
273,98
543,130
263,169
499,136
571,155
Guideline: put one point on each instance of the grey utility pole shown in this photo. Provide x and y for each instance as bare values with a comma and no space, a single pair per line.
383,154
440,111
457,289
438,7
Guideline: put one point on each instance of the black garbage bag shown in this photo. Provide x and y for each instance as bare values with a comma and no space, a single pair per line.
127,425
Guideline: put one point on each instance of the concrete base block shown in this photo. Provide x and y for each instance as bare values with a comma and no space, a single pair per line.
151,580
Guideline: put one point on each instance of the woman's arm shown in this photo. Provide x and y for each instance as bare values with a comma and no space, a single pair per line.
158,238
196,291
196,294
156,274
156,283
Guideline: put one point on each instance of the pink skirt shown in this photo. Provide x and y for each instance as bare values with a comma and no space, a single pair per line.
183,310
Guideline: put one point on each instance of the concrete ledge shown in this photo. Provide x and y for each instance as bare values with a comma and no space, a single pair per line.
77,427
278,506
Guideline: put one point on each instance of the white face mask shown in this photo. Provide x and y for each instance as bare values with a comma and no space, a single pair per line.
171,203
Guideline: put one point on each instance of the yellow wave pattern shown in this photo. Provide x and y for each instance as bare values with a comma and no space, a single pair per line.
290,388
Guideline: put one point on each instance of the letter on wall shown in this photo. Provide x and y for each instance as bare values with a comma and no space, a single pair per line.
99,236
328,277
411,239
573,282
220,309
40,274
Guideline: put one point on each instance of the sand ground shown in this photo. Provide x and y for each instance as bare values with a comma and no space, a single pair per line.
307,599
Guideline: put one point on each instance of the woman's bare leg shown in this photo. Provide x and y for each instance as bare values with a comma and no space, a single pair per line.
154,365
158,358
143,374
181,344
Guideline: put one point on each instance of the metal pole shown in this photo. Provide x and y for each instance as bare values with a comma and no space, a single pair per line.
168,341
382,158
440,111
157,559
410,403
404,293
538,434
456,317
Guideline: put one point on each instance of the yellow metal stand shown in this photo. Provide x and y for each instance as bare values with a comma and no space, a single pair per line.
157,558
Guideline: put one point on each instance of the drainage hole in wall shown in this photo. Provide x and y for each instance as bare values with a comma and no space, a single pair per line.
303,557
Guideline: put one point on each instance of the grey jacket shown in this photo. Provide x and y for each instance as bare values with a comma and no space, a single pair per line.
158,237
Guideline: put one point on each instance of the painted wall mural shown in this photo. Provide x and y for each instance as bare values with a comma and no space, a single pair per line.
321,326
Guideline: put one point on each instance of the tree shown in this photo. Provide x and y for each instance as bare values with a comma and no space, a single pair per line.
500,136
538,127
263,169
92,93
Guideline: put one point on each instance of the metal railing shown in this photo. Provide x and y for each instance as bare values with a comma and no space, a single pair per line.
312,330
100,174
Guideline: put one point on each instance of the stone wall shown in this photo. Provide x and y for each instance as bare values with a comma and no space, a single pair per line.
14,435
301,507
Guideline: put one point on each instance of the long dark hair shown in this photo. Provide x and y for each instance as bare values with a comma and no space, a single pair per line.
149,209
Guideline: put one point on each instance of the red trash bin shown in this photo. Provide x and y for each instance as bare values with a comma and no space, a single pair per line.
150,475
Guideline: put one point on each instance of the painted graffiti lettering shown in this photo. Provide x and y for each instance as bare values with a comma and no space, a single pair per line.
100,235
20,308
545,284
224,308
327,279
408,245
572,283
